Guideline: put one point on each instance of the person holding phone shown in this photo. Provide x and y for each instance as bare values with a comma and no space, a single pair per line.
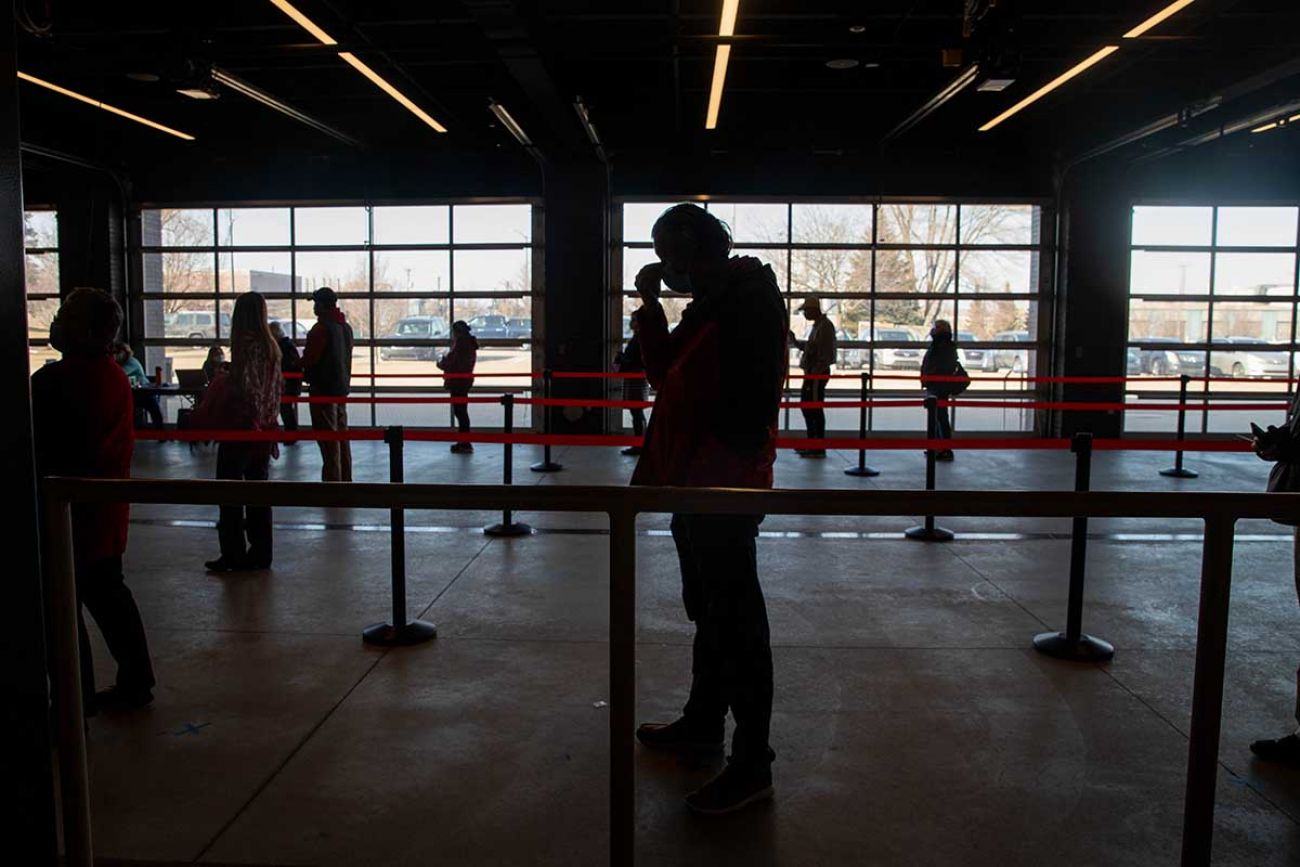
1281,445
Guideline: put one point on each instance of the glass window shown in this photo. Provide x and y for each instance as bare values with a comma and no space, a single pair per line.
1258,274
1169,321
335,227
411,224
186,227
253,227
492,224
267,273
831,270
43,274
344,271
639,218
634,259
918,224
179,271
988,320
1257,227
1007,271
425,271
1169,273
1172,226
493,270
832,224
40,229
931,271
753,223
997,224
1252,322
412,319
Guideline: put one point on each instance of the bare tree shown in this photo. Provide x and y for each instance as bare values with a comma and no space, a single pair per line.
185,270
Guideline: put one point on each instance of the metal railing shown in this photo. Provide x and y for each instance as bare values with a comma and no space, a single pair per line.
1219,511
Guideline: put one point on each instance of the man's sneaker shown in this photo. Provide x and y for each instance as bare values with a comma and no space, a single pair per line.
632,451
812,453
222,564
115,699
946,455
1283,751
679,735
462,448
736,787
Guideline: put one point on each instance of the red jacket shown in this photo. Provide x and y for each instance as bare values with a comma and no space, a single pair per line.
82,419
718,379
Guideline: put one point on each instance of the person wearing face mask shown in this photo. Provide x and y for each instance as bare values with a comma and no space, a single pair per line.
718,377
941,360
818,354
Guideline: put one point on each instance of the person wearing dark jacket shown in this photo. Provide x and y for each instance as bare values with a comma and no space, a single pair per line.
290,363
83,426
459,362
718,378
327,367
634,389
1281,445
940,360
817,356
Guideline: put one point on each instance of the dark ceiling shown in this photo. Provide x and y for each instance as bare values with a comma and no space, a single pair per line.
643,67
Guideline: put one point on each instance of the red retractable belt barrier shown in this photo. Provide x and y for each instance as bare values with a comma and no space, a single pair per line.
435,399
364,434
1108,406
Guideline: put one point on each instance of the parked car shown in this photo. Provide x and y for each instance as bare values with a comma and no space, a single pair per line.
196,325
416,328
1250,356
847,357
1134,365
520,329
975,359
894,357
1011,359
299,327
490,326
1166,362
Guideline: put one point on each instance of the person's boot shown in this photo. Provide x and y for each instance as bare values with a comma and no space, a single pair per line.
1282,751
946,456
632,451
225,564
682,735
738,786
812,453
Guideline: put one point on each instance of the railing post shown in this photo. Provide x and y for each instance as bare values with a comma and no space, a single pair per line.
1178,471
622,686
1073,644
862,469
929,532
546,465
399,632
69,714
1207,692
508,526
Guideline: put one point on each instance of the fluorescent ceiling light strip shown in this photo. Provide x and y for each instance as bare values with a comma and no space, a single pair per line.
1167,12
105,106
304,22
1051,85
382,84
1266,127
509,122
729,10
715,92
255,93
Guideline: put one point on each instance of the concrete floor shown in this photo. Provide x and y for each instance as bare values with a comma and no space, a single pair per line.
913,724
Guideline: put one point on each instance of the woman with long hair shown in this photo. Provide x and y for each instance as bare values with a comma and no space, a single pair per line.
245,397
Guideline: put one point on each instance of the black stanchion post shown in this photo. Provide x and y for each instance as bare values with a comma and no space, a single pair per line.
929,532
399,632
1073,644
1178,471
862,469
508,526
546,465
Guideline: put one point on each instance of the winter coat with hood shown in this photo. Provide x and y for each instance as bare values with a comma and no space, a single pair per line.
460,359
718,378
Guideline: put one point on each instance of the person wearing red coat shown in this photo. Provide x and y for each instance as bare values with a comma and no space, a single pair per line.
82,419
718,377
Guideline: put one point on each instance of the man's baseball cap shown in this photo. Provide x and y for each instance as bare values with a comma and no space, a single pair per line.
325,295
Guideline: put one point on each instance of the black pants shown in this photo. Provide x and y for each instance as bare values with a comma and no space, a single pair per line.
250,461
147,403
814,390
731,667
460,411
102,589
942,421
289,413
638,421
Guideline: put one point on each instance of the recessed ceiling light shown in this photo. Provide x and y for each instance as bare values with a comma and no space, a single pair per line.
857,28
142,76
198,92
871,66
841,63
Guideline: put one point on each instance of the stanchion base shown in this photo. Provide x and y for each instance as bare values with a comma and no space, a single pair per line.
929,534
1087,649
863,471
387,635
515,528
1180,473
546,467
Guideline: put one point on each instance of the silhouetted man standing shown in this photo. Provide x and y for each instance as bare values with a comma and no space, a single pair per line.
818,354
327,366
718,376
